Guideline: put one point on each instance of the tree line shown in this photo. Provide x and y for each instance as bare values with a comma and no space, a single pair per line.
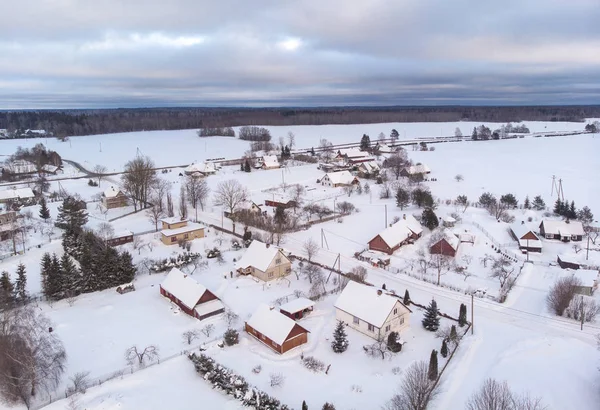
89,122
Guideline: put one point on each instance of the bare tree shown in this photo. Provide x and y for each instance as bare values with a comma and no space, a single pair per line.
326,149
138,244
441,264
502,269
100,170
291,139
155,213
378,349
311,271
458,132
79,383
277,379
170,208
230,317
208,329
197,190
463,271
231,194
561,293
397,162
459,177
183,211
141,357
106,231
416,390
358,274
138,178
190,335
576,248
462,201
311,248
297,195
160,189
494,395
485,259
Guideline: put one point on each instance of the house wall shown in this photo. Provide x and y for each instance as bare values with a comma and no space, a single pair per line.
188,236
396,323
118,201
297,337
176,301
567,265
175,225
275,270
120,241
442,248
378,244
263,339
530,235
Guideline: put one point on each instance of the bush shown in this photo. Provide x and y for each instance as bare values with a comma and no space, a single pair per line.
561,293
231,337
585,304
313,364
393,343
254,134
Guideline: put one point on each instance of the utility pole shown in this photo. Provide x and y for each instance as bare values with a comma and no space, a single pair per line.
472,314
386,216
222,215
582,312
587,251
527,250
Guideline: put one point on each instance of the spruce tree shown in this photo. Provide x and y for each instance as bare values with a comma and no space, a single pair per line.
127,269
406,300
453,334
72,214
365,142
572,213
526,203
402,198
340,339
44,211
70,280
538,203
21,284
242,167
432,374
462,315
431,320
304,405
7,290
558,207
328,406
430,219
444,349
247,167
46,263
57,280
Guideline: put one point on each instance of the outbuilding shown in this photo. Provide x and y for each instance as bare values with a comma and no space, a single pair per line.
275,330
447,244
297,308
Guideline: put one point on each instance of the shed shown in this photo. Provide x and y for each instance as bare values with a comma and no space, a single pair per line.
275,330
447,244
448,221
568,262
120,238
297,308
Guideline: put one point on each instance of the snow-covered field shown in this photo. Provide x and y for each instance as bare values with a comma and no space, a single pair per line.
519,341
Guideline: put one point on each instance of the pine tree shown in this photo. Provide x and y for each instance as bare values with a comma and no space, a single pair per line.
44,211
406,298
7,290
431,320
444,350
365,142
526,203
432,374
46,263
247,167
304,405
21,284
474,136
70,280
558,207
340,339
453,334
538,203
328,406
462,315
57,278
402,198
242,167
127,269
430,219
72,214
572,213
288,152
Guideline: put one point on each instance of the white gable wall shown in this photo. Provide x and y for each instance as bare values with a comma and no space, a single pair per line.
394,323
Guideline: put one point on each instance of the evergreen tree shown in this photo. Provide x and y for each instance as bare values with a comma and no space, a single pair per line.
231,337
70,280
58,285
406,298
287,152
242,167
422,198
72,214
431,320
44,211
393,344
538,203
572,212
21,284
526,203
312,151
558,207
127,269
430,219
402,197
365,142
89,274
453,334
474,136
304,405
462,315
46,263
432,374
7,290
328,406
340,339
585,215
394,135
444,350
247,167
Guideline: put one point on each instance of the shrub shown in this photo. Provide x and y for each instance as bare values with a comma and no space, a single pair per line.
231,337
313,364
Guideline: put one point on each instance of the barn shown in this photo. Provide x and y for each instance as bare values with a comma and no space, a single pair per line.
275,330
526,237
191,297
447,244
297,308
402,232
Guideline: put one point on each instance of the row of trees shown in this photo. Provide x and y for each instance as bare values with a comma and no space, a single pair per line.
216,131
13,293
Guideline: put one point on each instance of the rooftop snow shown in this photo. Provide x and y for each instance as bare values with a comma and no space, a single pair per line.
258,255
451,238
401,230
363,302
520,230
16,193
563,228
173,220
190,227
183,287
111,192
271,323
209,307
341,177
353,153
297,305
418,169
270,161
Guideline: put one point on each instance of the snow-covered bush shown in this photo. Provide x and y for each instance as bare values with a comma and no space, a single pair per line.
582,304
313,364
231,337
175,262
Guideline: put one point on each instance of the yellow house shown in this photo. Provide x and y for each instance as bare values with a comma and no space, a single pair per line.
176,229
264,261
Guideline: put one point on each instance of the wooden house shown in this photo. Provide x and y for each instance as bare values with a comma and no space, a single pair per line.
297,308
264,261
526,237
175,229
562,230
406,230
120,238
114,198
447,244
15,194
414,170
568,262
275,330
191,297
371,311
339,179
269,162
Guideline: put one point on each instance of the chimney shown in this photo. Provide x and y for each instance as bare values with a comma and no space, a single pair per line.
268,244
379,292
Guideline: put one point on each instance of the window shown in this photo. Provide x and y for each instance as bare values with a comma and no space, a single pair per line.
371,328
274,344
185,236
173,239
395,311
278,261
288,270
402,320
270,274
387,328
355,320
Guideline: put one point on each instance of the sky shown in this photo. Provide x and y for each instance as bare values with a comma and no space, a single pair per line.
144,53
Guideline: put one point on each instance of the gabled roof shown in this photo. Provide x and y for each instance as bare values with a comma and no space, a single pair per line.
189,227
272,324
520,230
297,305
412,224
17,193
365,303
258,255
173,220
352,153
341,177
395,234
418,169
369,166
450,237
183,287
204,168
111,192
270,161
563,228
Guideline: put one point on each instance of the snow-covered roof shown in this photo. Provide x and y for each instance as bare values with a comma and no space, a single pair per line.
209,307
122,234
341,177
374,255
365,303
173,220
395,234
16,193
204,168
418,169
369,166
563,228
270,161
383,147
183,287
190,227
521,229
271,323
353,153
111,192
258,255
569,258
531,243
50,168
448,219
587,276
297,305
451,238
412,224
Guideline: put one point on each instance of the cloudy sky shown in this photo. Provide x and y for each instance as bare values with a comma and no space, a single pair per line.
135,53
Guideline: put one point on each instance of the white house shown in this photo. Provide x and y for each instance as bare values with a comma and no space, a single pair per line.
264,261
415,169
15,194
206,168
562,230
268,162
336,179
371,311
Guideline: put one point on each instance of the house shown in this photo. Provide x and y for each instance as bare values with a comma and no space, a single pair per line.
368,169
269,162
191,297
297,308
337,179
414,170
448,221
406,230
200,170
280,201
447,244
7,226
15,194
114,198
175,229
371,311
52,169
275,330
590,279
465,236
568,262
120,238
353,156
562,230
382,148
375,258
526,237
264,261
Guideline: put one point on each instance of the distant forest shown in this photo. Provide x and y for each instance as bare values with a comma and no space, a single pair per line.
86,122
